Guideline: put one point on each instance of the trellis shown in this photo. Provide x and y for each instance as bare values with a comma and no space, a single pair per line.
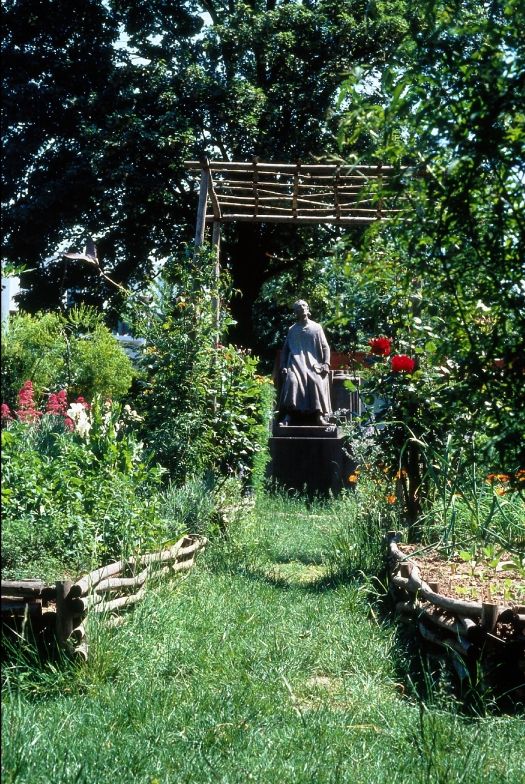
292,193
296,193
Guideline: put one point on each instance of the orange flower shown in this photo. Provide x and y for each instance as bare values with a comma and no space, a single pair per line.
353,478
391,499
501,491
401,474
497,478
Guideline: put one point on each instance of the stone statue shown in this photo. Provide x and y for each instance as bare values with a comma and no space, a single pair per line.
305,362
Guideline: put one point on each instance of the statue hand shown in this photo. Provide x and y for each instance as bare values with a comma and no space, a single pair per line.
322,370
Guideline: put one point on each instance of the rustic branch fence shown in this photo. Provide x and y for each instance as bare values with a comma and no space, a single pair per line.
471,632
62,609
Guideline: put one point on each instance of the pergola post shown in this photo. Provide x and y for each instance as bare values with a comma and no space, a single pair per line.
216,245
201,209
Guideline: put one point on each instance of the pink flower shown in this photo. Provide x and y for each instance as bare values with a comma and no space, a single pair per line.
84,402
381,346
57,403
5,411
26,411
403,364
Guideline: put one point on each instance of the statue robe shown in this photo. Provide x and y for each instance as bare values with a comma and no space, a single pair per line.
304,388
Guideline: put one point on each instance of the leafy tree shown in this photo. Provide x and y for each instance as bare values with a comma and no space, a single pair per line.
105,100
355,292
452,108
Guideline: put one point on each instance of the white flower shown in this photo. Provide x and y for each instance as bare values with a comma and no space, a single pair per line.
78,414
131,414
74,410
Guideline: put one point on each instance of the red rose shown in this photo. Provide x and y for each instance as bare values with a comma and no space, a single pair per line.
380,346
403,364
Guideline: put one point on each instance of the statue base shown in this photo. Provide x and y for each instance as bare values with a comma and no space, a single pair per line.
309,459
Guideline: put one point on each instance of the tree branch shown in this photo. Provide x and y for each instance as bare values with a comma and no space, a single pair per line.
210,9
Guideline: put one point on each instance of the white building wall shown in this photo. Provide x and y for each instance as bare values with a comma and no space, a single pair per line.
10,288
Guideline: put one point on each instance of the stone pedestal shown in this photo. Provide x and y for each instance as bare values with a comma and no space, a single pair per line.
309,459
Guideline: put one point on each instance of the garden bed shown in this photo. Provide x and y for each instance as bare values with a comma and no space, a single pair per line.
466,576
472,612
57,613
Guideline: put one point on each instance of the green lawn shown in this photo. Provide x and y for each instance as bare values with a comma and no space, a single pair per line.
256,667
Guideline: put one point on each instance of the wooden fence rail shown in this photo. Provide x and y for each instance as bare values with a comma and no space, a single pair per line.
108,589
474,632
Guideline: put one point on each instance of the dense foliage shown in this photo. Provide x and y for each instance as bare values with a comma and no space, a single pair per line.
354,294
451,109
200,399
76,351
105,100
77,489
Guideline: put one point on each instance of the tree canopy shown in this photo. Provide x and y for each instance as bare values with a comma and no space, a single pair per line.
452,106
105,100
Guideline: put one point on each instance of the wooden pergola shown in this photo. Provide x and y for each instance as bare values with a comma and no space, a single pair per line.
300,193
293,193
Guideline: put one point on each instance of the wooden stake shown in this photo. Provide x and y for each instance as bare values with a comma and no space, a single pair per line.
216,244
295,190
64,616
489,615
255,185
336,194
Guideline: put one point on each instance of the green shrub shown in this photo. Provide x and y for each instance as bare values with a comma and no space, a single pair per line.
201,400
74,500
33,347
74,351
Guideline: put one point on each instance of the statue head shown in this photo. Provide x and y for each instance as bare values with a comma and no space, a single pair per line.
301,309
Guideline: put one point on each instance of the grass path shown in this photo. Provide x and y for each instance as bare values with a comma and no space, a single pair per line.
254,668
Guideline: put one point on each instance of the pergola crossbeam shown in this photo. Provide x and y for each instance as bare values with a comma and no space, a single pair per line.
274,218
314,168
296,193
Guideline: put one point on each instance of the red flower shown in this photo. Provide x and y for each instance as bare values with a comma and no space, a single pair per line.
84,402
380,346
57,404
26,411
403,364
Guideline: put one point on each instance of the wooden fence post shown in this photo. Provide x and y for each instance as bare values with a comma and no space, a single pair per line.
64,617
